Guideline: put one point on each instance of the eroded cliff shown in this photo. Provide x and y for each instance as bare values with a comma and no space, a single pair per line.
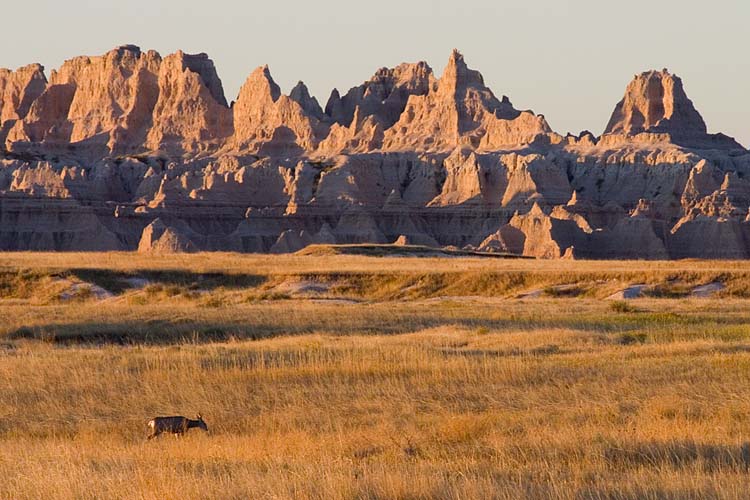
130,150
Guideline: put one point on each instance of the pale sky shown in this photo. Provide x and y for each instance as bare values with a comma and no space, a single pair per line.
567,59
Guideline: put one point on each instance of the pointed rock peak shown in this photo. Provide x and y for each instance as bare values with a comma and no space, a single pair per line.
356,118
655,102
456,59
457,74
703,169
570,253
573,199
361,120
703,164
334,106
300,91
204,67
260,84
729,179
394,200
18,91
642,209
537,211
301,95
158,225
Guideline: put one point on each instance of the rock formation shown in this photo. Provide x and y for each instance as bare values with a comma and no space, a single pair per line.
132,151
459,110
18,91
655,108
272,124
160,238
384,96
191,113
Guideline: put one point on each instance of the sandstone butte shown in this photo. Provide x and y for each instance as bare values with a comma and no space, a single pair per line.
132,151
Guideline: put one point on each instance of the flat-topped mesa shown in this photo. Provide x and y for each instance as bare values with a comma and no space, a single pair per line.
656,108
384,96
270,123
461,111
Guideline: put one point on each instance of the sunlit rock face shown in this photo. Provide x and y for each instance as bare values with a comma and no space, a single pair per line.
656,108
133,151
459,110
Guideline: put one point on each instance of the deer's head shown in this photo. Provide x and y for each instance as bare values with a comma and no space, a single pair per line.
201,422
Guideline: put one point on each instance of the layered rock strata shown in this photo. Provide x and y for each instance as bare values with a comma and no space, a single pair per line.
132,151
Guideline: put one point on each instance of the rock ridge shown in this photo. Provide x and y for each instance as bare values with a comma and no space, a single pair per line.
130,150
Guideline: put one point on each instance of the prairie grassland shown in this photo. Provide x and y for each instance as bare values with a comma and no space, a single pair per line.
400,378
324,262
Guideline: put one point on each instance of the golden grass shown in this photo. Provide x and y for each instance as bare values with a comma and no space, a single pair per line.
35,276
288,264
435,394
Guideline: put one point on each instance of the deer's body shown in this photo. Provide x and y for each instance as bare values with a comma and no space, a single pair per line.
174,425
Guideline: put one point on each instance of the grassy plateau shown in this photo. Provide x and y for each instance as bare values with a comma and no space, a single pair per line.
337,375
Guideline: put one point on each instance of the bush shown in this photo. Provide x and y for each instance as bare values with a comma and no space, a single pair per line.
621,306
213,301
632,338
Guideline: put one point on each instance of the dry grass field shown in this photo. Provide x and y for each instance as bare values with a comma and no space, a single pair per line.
334,376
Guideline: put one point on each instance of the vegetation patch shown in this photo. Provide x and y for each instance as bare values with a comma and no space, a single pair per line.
435,381
622,306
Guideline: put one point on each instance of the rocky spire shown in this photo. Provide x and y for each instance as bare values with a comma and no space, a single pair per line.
461,111
87,98
457,76
301,95
190,114
204,67
655,101
259,85
383,96
19,89
334,107
273,124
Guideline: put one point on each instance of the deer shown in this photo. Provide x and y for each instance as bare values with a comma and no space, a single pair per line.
174,425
